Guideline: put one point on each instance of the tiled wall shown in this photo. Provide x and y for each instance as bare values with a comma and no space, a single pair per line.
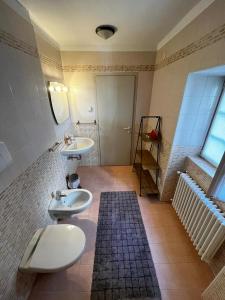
24,209
177,158
201,171
216,289
89,130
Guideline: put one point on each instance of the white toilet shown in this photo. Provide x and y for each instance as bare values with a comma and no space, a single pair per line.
53,249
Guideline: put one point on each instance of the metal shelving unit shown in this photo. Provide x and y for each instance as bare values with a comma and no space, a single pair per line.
146,159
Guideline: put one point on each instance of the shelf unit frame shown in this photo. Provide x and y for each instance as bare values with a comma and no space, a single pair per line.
142,138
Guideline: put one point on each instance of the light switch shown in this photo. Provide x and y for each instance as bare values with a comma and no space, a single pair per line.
5,156
90,109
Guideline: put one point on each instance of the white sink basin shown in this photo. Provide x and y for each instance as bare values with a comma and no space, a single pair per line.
79,145
73,202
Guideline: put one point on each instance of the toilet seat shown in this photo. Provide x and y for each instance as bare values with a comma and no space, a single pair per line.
53,248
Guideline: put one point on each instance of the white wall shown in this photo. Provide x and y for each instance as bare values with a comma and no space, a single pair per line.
25,116
82,96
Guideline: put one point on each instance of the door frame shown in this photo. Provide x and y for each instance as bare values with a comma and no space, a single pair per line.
135,75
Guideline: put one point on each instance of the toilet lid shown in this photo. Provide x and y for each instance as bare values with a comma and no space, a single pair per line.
59,246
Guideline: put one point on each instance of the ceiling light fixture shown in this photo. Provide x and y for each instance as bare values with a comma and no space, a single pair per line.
105,31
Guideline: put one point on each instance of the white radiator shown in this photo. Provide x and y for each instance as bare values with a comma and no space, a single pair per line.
202,219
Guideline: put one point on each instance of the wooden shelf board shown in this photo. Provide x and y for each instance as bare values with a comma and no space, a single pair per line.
148,161
148,183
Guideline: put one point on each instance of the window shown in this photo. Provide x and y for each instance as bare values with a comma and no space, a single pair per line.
214,145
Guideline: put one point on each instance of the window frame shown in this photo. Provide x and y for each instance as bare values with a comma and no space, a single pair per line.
211,122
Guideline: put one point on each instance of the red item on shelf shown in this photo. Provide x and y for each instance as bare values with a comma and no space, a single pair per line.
154,134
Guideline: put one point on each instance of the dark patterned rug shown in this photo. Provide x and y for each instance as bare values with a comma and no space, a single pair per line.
123,266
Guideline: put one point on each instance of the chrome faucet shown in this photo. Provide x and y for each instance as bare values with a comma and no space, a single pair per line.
67,139
58,195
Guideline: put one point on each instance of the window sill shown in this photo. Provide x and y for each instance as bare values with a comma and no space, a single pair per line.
202,172
203,165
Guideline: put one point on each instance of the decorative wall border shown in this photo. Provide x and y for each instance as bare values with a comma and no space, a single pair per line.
22,46
50,61
205,41
11,41
108,68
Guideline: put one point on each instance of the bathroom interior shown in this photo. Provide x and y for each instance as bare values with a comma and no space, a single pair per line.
112,140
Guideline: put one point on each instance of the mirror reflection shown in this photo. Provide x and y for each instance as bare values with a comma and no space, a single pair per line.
59,102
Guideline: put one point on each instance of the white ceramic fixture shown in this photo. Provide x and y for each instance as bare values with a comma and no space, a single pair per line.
71,202
78,146
53,249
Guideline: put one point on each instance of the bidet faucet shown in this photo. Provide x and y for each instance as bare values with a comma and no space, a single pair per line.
67,139
58,195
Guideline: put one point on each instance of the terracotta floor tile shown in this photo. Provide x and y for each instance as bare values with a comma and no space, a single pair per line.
155,235
174,233
88,257
183,275
160,234
159,253
154,205
174,252
81,282
184,294
69,295
81,296
152,220
94,209
167,276
182,252
55,282
74,269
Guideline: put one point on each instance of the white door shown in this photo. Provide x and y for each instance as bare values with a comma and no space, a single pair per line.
115,101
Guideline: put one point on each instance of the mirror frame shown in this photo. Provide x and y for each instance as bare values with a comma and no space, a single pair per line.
51,88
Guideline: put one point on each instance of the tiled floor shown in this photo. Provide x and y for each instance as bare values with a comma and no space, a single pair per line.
180,272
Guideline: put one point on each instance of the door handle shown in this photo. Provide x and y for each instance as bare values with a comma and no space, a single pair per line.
127,128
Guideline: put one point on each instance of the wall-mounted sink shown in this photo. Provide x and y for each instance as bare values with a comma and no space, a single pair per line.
71,202
79,145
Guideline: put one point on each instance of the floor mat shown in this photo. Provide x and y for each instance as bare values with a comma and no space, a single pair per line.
123,266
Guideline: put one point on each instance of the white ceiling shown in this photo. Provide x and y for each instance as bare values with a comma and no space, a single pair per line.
141,23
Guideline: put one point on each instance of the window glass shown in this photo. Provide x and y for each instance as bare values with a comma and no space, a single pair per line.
214,146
